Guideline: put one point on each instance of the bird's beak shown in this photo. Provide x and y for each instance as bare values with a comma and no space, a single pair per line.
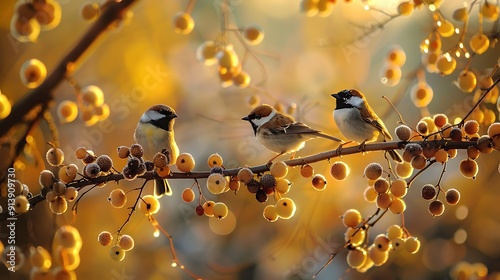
245,118
335,95
174,116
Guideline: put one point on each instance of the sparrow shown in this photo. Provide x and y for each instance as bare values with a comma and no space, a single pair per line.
280,132
155,133
357,121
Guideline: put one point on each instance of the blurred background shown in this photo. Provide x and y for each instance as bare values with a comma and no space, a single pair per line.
143,62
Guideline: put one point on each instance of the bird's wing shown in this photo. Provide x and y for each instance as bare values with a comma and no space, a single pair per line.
289,126
375,122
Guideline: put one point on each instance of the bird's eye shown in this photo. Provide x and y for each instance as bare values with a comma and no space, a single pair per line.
258,117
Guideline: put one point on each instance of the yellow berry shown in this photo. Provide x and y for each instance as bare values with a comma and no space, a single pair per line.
404,170
279,169
149,205
479,43
91,11
378,257
208,208
412,245
319,182
59,205
467,81
356,257
117,253
216,183
206,53
92,95
421,94
399,188
390,74
254,34
55,156
489,11
339,170
67,111
228,61
351,218
381,242
21,204
40,258
460,14
441,156
188,195
370,195
446,64
406,8
183,23
220,210
285,207
309,7
185,162
446,28
393,232
397,205
5,106
33,73
282,185
214,160
270,213
68,237
355,236
396,56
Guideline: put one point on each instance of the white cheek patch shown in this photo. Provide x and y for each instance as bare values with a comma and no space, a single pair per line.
151,115
356,101
261,121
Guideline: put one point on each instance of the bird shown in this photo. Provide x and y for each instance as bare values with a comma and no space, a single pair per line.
357,121
279,132
155,133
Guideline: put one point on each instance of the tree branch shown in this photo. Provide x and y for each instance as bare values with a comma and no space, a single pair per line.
379,146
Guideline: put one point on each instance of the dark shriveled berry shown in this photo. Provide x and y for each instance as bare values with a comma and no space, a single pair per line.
104,162
253,186
261,196
136,150
268,181
199,210
150,166
436,208
452,196
216,169
428,192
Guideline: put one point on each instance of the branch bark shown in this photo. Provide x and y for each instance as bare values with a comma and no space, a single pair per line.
379,146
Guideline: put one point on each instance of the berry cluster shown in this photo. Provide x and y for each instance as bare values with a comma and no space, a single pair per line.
123,244
322,8
33,16
89,104
391,71
5,106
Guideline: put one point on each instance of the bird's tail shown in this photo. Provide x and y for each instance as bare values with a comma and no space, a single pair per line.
321,134
161,187
395,156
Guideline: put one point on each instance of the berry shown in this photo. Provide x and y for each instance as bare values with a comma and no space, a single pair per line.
399,188
356,258
378,257
309,7
489,11
136,150
373,171
393,232
467,81
403,132
92,95
479,43
59,205
67,111
206,53
436,208
446,28
40,258
21,204
117,253
228,60
185,162
58,188
183,23
188,195
421,94
456,134
398,243
70,194
261,196
105,238
216,183
208,208
390,75
220,210
494,130
104,162
253,186
428,192
33,73
468,168
285,207
126,242
384,200
441,156
351,218
440,120
306,171
149,205
55,156
254,34
46,178
381,185
382,243
123,151
5,106
404,170
117,198
283,185
245,175
270,213
92,170
452,196
279,169
199,210
89,157
370,194
418,162
472,152
214,160
405,8
319,182
460,14
397,205
68,173
396,56
91,11
234,184
355,236
484,144
446,64
412,244
339,170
